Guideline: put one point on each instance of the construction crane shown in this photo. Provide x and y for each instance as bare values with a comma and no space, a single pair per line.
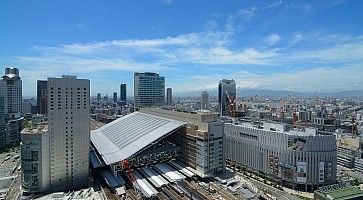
231,105
125,165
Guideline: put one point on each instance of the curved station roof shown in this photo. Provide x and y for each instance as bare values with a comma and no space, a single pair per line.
131,134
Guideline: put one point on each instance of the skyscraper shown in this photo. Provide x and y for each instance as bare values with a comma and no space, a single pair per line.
10,108
42,97
98,97
115,97
149,89
11,90
226,92
169,96
2,124
205,100
123,92
69,131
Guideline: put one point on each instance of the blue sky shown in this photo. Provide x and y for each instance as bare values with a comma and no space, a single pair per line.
308,46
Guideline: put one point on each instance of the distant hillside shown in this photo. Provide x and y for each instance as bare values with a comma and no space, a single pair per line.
279,93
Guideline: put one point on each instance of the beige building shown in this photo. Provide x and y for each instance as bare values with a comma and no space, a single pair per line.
69,131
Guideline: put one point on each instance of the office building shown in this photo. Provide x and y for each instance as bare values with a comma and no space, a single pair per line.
10,107
300,159
115,97
149,89
27,107
35,174
123,92
201,139
69,128
226,94
98,97
205,100
2,124
11,90
169,96
42,97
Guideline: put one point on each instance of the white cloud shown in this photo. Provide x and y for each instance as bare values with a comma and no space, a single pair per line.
327,79
238,17
273,39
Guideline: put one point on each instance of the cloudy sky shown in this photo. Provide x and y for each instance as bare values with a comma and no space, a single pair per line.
308,46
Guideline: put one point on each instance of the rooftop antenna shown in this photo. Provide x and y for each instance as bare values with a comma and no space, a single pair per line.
68,71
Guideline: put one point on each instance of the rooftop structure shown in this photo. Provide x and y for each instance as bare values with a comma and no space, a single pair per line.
130,134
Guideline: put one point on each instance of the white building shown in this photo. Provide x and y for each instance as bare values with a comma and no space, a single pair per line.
10,108
149,89
69,131
301,159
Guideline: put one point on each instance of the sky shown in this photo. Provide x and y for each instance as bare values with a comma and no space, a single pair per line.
301,46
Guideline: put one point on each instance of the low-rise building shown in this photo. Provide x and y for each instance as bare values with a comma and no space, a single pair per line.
301,159
35,158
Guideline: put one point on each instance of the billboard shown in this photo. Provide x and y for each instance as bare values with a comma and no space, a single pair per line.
301,171
321,172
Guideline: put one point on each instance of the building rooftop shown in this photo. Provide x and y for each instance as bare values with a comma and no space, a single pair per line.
37,128
130,134
339,192
200,119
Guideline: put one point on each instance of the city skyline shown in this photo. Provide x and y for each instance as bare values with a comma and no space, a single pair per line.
277,45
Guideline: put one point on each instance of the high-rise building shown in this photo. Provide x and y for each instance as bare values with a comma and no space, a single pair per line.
42,97
205,100
115,97
10,108
98,97
226,92
149,89
169,96
2,124
35,176
11,90
123,92
69,131
27,107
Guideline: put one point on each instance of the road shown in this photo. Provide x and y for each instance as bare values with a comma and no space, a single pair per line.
281,195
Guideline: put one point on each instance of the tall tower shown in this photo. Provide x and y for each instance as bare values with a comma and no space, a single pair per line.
226,92
42,97
123,92
69,131
205,100
10,108
11,90
98,97
169,96
149,89
115,97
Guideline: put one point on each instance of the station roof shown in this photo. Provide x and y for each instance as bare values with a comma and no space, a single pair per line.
130,134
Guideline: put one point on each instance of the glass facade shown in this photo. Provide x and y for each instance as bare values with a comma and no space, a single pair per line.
30,164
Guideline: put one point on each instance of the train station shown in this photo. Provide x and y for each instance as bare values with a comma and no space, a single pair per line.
155,152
